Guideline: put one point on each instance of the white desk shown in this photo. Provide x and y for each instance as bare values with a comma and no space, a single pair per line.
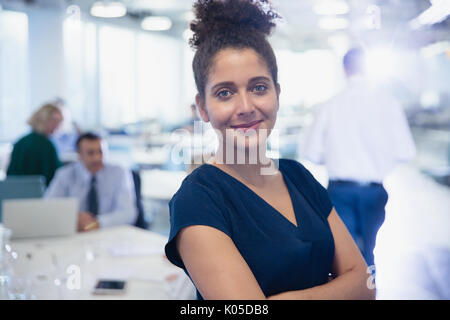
122,252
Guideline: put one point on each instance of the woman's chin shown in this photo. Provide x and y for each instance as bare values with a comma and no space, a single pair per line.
251,144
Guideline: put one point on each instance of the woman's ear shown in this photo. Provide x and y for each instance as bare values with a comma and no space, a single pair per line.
201,108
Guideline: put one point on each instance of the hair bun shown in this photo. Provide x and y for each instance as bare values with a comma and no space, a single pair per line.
221,16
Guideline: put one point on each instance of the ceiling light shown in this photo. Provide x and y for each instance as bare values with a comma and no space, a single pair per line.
108,9
332,23
156,23
331,8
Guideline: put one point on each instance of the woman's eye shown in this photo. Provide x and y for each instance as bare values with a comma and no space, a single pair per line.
260,88
224,93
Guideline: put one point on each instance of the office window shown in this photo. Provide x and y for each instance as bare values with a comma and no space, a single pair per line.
134,75
117,67
158,77
14,77
80,56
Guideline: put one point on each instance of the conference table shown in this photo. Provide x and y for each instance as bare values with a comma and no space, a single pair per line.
69,267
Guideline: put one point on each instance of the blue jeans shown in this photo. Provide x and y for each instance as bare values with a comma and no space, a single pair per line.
361,208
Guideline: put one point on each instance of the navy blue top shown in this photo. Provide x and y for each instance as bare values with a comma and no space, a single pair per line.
282,256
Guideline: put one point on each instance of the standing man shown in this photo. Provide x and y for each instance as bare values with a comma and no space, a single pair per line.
360,135
105,191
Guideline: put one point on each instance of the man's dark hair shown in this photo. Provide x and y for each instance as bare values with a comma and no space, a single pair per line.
354,60
86,136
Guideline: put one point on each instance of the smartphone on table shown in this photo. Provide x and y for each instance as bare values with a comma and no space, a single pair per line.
109,286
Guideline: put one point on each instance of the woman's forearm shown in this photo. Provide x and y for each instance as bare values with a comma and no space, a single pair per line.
351,285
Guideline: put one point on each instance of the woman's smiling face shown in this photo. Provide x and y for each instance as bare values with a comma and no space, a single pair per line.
240,97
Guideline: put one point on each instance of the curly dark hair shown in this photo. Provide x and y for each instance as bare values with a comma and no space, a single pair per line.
238,24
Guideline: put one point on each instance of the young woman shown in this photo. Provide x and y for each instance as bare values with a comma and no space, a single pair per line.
238,232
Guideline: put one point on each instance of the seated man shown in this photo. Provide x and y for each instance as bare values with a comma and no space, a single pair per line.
105,191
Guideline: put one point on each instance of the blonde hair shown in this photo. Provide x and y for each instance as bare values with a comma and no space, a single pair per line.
39,119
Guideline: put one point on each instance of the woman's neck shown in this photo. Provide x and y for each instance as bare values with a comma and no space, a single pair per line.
41,133
255,170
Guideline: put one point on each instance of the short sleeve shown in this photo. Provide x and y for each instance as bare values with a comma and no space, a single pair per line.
313,191
194,204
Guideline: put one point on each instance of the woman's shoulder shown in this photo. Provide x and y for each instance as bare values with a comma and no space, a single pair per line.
299,175
37,136
40,139
26,137
203,180
290,165
199,200
205,174
304,180
297,170
33,139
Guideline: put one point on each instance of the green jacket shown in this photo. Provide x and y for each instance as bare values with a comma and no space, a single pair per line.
34,154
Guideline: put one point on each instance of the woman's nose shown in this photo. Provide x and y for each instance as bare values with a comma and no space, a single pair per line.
245,104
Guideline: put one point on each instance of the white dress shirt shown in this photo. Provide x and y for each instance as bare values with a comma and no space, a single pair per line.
115,191
360,134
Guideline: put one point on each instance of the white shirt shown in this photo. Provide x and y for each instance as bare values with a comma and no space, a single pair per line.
115,191
360,134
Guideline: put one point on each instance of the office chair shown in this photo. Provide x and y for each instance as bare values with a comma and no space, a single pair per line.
141,221
21,187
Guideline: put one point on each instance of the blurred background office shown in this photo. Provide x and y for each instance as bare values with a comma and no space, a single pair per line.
123,69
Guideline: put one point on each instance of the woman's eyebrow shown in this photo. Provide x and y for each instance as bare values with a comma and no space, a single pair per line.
222,84
256,79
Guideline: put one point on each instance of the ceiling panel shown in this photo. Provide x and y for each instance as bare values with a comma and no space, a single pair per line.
299,28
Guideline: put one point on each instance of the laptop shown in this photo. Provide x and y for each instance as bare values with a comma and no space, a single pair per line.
35,218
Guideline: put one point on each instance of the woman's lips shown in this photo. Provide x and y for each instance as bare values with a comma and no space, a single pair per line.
247,126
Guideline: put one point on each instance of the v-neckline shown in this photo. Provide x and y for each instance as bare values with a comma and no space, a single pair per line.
286,182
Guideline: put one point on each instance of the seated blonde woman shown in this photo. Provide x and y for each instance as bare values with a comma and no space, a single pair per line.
35,154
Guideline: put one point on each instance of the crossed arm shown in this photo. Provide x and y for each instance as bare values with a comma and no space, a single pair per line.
220,272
